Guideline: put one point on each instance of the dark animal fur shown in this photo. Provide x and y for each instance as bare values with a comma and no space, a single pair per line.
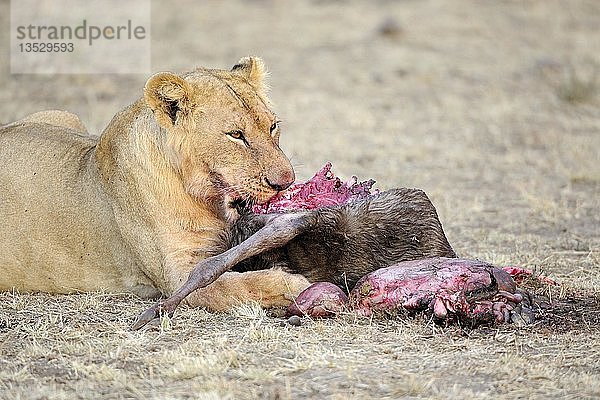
343,243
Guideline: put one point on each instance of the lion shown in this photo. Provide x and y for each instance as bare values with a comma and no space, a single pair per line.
135,209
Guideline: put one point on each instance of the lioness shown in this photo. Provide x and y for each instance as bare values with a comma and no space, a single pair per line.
136,209
158,204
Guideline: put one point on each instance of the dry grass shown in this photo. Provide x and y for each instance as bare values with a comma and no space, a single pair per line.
81,346
491,107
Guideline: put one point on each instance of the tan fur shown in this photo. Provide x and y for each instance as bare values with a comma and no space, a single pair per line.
60,118
137,208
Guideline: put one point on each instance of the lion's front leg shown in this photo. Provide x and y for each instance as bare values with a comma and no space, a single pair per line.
269,288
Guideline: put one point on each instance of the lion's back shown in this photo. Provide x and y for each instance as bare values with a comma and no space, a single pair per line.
29,150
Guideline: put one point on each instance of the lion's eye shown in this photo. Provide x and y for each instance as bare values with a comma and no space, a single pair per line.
237,134
274,127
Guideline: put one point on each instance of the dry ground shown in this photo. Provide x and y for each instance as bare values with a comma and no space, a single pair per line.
492,107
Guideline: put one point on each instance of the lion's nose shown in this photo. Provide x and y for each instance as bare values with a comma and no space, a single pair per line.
281,182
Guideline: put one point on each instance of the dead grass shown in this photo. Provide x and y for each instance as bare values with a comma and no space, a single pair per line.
491,107
576,89
68,346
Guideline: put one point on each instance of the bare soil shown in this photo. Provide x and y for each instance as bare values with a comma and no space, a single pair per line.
491,107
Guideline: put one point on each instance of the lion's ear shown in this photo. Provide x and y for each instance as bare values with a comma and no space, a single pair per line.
254,70
170,97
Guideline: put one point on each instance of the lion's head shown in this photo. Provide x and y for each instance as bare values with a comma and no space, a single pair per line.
220,131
